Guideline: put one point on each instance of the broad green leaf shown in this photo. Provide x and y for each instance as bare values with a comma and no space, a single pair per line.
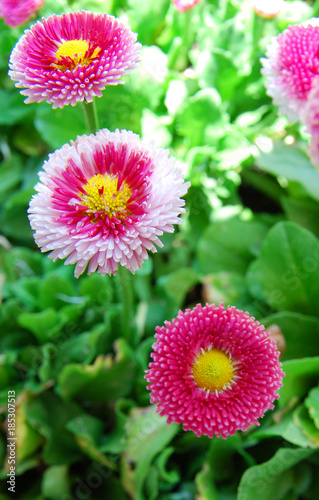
288,269
302,211
28,438
105,380
59,126
301,333
177,284
13,109
286,429
88,431
48,415
42,324
301,375
293,164
147,435
303,420
312,403
275,475
55,289
230,245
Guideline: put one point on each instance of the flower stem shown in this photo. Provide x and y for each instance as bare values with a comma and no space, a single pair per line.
126,291
91,118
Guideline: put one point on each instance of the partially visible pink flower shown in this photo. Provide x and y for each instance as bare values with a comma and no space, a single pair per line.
182,5
68,58
290,66
18,12
104,200
214,370
310,117
268,8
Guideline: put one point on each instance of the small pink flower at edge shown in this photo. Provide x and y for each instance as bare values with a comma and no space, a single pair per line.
18,12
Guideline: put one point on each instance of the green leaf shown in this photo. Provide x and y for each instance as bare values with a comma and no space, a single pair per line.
106,380
42,324
230,245
302,211
201,120
275,475
288,269
301,333
58,126
301,375
55,289
312,403
286,429
49,415
13,109
147,435
303,420
56,482
294,165
178,283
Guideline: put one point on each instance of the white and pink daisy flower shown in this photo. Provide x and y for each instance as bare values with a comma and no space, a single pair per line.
104,200
18,12
182,5
214,370
290,66
72,57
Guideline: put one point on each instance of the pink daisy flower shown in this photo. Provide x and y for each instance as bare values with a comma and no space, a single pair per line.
18,12
104,200
215,370
290,66
182,5
310,117
68,58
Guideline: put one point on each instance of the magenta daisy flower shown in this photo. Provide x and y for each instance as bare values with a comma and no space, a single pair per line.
290,66
215,370
104,200
18,12
182,5
68,58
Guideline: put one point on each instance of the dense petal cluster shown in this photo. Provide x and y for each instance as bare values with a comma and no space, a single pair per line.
182,5
215,370
268,8
104,200
290,66
72,57
18,12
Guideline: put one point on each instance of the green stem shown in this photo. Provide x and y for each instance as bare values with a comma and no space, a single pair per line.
91,119
126,290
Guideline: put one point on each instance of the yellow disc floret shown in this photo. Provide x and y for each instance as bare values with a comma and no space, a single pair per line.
102,195
76,52
213,370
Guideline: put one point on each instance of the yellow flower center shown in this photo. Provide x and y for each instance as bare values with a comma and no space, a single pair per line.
213,370
102,194
75,51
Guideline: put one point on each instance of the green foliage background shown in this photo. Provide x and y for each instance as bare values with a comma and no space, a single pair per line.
249,238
